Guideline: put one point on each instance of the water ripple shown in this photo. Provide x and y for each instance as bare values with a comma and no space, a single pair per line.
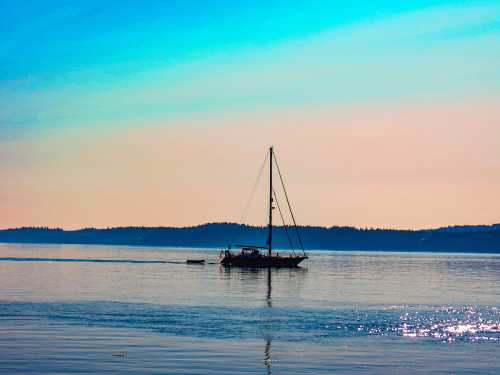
447,324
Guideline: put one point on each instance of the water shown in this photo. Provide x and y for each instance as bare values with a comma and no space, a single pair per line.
105,309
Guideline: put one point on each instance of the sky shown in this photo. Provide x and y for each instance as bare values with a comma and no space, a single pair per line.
159,113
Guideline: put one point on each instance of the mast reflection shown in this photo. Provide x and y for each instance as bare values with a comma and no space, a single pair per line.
248,280
267,351
269,289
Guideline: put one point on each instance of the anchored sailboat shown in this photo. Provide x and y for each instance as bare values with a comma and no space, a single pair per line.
255,256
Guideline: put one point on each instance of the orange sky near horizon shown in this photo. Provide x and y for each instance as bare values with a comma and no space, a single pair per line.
417,166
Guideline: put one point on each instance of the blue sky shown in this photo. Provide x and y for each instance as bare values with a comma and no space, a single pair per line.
398,99
82,49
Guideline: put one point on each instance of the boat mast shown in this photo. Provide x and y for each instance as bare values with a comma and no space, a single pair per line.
270,226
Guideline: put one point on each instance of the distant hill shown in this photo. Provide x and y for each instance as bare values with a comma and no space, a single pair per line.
452,239
470,228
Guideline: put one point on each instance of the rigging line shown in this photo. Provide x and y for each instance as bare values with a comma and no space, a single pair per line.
250,198
283,221
289,206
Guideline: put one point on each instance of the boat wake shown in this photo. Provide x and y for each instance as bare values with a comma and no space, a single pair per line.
71,260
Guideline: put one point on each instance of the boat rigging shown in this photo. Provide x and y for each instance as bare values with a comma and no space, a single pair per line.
255,256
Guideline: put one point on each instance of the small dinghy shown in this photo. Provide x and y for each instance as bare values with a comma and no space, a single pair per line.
195,261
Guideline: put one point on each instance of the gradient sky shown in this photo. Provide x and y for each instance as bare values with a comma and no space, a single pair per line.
382,114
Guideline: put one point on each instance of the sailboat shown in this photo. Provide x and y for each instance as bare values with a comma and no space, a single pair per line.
263,256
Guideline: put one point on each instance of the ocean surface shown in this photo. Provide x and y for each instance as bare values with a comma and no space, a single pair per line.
142,310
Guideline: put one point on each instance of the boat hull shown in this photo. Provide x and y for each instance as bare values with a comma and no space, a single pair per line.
262,261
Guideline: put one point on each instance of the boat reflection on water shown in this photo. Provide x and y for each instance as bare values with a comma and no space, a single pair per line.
253,278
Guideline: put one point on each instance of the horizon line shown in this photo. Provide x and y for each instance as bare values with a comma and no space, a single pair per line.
254,226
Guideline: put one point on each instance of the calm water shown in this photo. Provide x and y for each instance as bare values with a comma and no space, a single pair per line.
97,309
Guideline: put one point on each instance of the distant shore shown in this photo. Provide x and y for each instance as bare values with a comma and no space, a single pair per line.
480,239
